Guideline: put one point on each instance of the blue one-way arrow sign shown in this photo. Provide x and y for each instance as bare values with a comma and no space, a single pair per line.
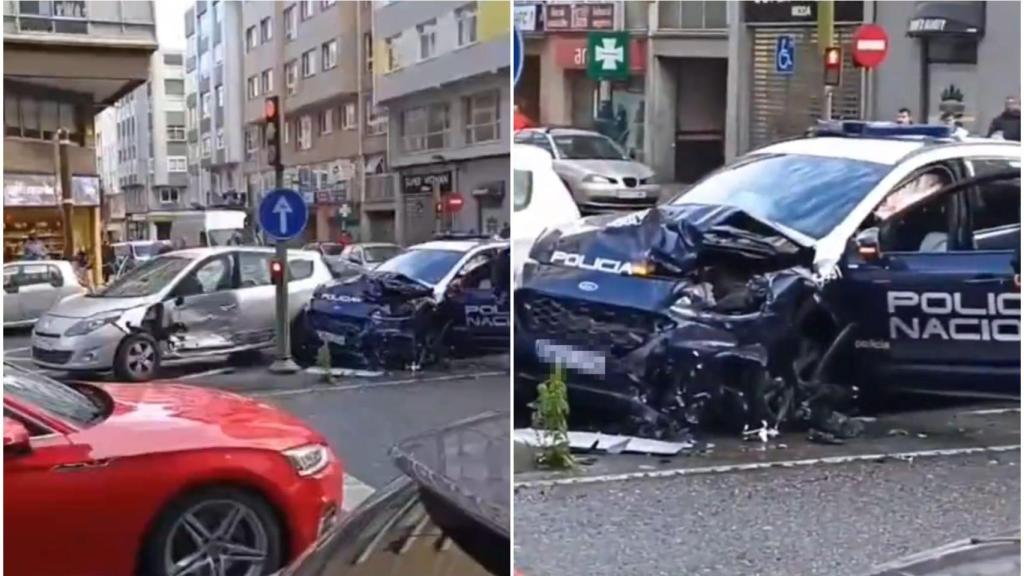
283,214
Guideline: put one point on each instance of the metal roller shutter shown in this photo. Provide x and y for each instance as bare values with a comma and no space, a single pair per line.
784,106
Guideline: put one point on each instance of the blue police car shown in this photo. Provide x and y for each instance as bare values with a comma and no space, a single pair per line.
413,308
862,258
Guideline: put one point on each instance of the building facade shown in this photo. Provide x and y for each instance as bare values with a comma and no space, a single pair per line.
113,209
152,157
63,62
441,69
313,56
214,95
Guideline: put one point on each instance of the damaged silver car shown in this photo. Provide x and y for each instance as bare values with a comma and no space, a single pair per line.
180,305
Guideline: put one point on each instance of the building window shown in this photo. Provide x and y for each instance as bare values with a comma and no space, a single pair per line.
428,39
305,133
291,76
252,87
252,139
169,195
325,4
250,38
220,95
287,132
482,116
327,121
466,19
173,87
690,14
307,9
207,101
368,51
266,30
425,128
175,133
309,64
329,54
291,23
220,139
376,118
206,147
177,164
348,118
267,81
216,12
391,51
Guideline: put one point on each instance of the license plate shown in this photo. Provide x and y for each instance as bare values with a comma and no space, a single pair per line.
44,343
632,194
332,338
584,361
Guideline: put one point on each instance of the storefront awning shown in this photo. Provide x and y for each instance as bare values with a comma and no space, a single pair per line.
947,18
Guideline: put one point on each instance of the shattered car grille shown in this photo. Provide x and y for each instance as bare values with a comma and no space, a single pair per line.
595,326
347,328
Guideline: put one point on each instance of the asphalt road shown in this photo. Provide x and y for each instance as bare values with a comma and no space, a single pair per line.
833,520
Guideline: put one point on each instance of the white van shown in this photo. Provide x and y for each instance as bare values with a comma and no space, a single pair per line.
208,228
540,201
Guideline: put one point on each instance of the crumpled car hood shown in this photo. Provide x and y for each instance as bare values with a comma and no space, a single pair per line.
373,288
674,239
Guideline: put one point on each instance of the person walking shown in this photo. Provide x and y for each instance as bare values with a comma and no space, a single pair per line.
1007,124
903,117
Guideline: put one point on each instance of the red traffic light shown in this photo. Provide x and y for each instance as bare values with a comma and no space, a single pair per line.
270,109
833,66
276,271
833,57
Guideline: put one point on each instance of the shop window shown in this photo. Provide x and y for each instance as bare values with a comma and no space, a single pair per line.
482,115
952,51
689,14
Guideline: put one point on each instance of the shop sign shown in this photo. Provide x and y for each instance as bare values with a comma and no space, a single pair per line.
424,183
527,17
571,53
608,55
86,190
334,194
44,190
791,11
579,16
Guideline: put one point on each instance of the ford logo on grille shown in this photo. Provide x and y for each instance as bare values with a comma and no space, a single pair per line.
587,286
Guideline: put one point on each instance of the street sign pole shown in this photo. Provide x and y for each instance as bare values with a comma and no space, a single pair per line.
283,364
826,33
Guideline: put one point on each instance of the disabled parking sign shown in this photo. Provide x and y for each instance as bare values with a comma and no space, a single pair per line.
283,214
785,52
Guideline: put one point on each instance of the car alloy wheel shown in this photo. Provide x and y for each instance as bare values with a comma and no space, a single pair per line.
141,357
217,538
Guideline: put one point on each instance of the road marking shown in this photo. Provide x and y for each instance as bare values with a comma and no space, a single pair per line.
212,372
993,411
10,351
368,385
726,468
355,492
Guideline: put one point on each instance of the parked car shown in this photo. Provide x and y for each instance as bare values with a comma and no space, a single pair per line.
447,514
600,175
161,480
325,248
33,287
410,309
540,201
183,304
863,260
371,254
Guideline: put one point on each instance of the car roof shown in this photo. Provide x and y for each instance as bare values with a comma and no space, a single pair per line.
876,150
562,130
529,156
194,253
59,263
375,245
457,245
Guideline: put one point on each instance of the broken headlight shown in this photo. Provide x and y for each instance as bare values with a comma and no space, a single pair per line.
93,323
308,460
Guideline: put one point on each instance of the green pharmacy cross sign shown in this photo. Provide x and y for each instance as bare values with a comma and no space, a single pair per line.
608,55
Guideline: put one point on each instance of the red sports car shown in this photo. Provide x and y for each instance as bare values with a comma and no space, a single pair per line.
161,480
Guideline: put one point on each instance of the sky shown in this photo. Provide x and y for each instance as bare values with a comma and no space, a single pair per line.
170,23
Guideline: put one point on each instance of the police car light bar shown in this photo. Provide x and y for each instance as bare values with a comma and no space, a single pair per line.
881,129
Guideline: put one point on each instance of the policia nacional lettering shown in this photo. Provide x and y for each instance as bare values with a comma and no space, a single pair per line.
946,316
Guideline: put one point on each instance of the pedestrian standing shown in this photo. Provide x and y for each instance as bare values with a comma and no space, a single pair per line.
1007,124
903,117
35,249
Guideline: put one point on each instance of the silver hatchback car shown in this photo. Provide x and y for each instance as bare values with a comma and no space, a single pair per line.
179,305
600,176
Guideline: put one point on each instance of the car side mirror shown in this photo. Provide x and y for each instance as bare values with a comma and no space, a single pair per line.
15,437
867,244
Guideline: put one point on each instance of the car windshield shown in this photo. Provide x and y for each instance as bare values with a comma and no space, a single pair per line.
375,254
809,194
147,279
587,147
427,266
59,400
522,189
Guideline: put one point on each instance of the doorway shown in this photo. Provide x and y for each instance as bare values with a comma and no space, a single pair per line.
700,117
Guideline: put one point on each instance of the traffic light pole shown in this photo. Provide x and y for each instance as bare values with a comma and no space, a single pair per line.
283,364
826,34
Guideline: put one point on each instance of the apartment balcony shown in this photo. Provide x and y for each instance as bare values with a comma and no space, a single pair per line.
380,191
100,49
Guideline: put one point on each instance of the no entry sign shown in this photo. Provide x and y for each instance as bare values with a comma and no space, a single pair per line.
870,45
454,202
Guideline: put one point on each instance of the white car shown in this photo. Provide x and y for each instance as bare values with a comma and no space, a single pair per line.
184,304
540,201
33,286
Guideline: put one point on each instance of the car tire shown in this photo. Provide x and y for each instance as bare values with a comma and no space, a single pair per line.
138,358
303,348
199,516
245,358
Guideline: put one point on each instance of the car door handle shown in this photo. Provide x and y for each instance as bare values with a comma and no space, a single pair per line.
229,307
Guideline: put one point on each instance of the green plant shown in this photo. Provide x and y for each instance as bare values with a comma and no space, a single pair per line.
551,420
323,360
